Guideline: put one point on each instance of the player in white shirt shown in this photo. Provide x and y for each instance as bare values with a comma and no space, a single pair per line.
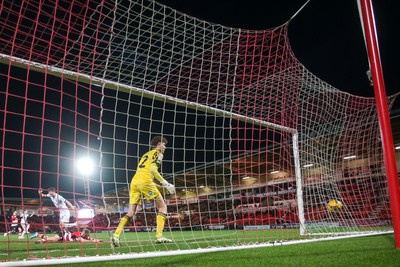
61,204
24,222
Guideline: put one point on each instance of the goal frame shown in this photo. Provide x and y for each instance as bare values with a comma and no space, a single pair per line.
371,39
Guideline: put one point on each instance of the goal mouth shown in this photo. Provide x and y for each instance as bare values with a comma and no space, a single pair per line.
258,146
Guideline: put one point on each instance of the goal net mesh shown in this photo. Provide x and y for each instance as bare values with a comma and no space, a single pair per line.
260,150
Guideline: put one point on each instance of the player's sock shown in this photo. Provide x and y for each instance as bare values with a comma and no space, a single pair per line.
34,235
118,231
160,224
121,225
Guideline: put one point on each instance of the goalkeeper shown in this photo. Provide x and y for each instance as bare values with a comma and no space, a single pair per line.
143,184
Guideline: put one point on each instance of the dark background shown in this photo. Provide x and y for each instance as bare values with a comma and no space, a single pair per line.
326,36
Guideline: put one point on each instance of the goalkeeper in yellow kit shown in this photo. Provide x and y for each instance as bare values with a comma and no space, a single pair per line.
142,184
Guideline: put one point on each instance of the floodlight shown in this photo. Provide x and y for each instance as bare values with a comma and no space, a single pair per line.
85,166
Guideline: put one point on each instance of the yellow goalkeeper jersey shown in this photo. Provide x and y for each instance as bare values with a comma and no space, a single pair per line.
149,160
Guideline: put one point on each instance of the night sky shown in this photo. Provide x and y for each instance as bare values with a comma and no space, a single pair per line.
326,36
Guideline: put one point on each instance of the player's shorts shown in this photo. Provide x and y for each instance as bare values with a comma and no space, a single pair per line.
14,228
149,191
64,216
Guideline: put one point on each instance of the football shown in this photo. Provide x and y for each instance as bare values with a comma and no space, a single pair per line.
334,205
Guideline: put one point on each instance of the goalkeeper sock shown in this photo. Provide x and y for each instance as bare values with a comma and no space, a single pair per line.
160,224
121,225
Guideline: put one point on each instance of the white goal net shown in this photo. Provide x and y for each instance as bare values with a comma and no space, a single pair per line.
260,150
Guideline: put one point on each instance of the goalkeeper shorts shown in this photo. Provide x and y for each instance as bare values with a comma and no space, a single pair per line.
149,191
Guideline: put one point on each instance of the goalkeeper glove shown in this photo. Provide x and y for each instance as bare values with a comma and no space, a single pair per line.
170,187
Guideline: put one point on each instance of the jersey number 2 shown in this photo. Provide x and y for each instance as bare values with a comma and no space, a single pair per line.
143,162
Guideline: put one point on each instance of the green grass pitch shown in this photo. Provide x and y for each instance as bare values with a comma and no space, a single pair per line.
361,251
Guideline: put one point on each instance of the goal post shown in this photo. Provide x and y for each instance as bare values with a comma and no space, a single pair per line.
369,30
299,184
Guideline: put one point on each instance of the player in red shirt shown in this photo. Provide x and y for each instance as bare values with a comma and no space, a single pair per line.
83,236
15,227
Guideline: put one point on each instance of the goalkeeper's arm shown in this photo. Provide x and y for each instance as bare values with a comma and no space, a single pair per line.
157,175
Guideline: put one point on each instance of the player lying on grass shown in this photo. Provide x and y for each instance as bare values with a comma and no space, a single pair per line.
83,236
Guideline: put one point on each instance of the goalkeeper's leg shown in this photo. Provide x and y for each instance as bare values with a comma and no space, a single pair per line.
160,224
124,220
135,195
161,216
115,238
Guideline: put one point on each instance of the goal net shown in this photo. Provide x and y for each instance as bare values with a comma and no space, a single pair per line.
261,151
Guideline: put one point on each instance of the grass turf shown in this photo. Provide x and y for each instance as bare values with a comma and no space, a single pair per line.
361,251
